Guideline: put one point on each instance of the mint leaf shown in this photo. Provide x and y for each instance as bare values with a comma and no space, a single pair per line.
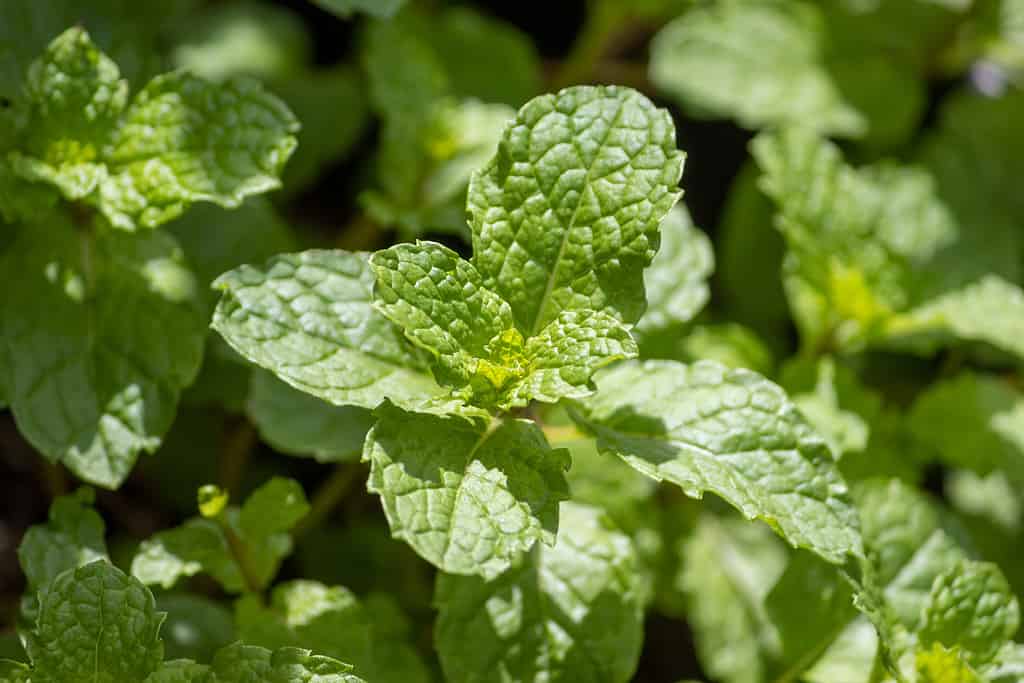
76,96
195,627
180,140
441,303
183,140
760,62
332,621
570,610
95,623
971,606
240,663
468,498
728,568
72,537
666,420
598,168
243,37
345,8
107,341
275,507
296,423
198,545
308,318
676,281
973,421
242,548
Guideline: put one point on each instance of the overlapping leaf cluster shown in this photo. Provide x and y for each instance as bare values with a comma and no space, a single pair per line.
539,409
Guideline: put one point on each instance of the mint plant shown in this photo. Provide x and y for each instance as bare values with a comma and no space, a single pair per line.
439,379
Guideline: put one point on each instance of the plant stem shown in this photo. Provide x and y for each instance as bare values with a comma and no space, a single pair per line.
327,497
237,548
54,478
238,448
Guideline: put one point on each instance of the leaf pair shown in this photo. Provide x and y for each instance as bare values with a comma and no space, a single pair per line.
141,163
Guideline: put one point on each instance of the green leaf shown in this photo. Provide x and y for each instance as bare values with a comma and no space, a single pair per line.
296,423
377,8
809,606
730,344
973,421
98,624
105,344
762,63
242,548
469,499
72,537
733,433
14,672
198,545
570,611
971,606
728,567
308,318
332,621
441,303
216,239
76,96
275,507
181,140
184,140
472,47
566,215
676,281
244,37
196,627
240,663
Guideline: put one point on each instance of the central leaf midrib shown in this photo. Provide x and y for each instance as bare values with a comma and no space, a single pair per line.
535,328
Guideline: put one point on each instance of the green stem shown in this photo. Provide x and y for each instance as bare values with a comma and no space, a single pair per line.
238,552
54,478
238,449
327,497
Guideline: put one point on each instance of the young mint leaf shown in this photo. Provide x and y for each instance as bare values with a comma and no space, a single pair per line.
907,543
198,545
376,8
566,215
728,567
971,607
242,548
441,303
569,611
676,281
468,498
296,423
730,432
76,96
95,623
834,402
308,318
973,421
180,140
105,344
72,537
273,508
